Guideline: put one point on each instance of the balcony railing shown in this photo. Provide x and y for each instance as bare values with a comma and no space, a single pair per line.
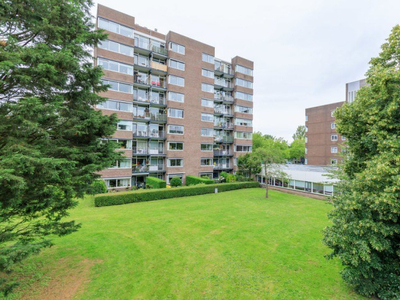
156,168
224,69
157,134
159,84
156,152
136,151
222,152
141,63
223,83
159,50
142,44
224,125
158,66
141,80
222,166
140,133
223,139
145,116
159,117
140,169
223,98
158,101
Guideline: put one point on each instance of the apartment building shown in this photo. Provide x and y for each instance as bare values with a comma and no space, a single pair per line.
182,111
352,88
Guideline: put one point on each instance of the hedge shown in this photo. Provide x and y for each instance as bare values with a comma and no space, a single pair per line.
149,195
193,180
155,183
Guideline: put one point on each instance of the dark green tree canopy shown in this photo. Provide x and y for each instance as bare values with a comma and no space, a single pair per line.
50,134
365,233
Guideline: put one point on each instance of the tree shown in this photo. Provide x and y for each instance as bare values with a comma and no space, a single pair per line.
270,156
297,150
300,133
50,147
365,234
248,165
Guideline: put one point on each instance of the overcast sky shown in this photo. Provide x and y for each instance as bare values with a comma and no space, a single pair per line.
303,51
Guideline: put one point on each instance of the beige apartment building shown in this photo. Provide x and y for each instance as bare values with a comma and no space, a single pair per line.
182,111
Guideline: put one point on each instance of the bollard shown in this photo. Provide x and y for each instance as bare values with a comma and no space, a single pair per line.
216,190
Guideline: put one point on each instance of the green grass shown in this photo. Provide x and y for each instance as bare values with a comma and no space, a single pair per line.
233,245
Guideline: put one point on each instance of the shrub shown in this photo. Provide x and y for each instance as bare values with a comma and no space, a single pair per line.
97,187
231,178
193,180
175,181
224,174
155,183
158,194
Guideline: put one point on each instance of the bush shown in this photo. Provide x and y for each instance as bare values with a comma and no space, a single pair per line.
224,174
231,178
193,180
97,187
148,195
175,181
155,183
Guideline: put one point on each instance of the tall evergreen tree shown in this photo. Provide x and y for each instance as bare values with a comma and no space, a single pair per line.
365,233
50,134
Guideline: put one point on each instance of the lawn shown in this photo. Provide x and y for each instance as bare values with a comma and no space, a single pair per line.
232,245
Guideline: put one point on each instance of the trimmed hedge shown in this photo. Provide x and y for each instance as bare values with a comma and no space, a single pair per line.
149,195
193,180
155,183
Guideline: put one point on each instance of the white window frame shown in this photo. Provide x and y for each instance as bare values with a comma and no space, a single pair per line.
206,158
100,45
178,63
179,48
169,162
207,100
244,83
208,144
203,85
244,70
169,131
334,149
176,110
212,132
177,79
334,137
172,93
206,116
207,58
183,147
244,96
333,125
210,73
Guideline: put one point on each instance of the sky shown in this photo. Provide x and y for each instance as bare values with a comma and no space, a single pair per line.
304,52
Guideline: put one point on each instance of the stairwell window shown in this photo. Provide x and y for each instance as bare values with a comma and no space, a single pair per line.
177,48
176,80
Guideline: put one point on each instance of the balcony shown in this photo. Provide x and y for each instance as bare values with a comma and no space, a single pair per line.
159,84
158,118
140,134
223,139
159,50
158,68
139,152
142,47
140,169
224,126
158,102
222,167
156,152
227,99
223,70
142,117
223,153
156,168
141,81
157,135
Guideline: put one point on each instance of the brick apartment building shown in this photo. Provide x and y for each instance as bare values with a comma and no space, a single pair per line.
323,143
182,111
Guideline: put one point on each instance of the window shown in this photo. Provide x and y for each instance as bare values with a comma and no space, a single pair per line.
333,149
175,162
243,109
209,88
115,27
178,97
334,137
175,129
244,70
243,96
119,86
175,113
177,48
113,183
175,146
243,135
115,66
244,83
343,138
206,162
243,122
206,147
306,139
124,125
305,151
306,118
116,47
333,125
207,132
207,73
176,80
332,112
207,103
116,105
306,161
208,58
240,148
123,163
207,117
177,64
170,176
333,161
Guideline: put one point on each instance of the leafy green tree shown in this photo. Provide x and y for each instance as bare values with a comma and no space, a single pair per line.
365,230
297,150
270,157
248,165
175,181
49,132
300,133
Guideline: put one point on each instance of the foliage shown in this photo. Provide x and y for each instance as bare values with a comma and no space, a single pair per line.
300,133
270,157
365,233
149,195
97,187
193,180
231,178
175,181
297,150
248,165
155,183
224,175
49,131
